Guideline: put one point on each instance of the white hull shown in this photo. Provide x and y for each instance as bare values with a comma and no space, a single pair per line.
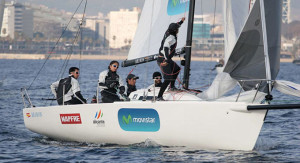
195,124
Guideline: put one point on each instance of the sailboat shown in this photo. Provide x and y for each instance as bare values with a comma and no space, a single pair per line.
205,120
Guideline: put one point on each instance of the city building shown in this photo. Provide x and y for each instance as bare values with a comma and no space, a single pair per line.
201,29
99,27
122,27
17,21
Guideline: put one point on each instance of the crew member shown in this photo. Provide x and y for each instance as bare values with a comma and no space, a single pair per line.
67,90
157,79
131,80
168,67
110,82
220,64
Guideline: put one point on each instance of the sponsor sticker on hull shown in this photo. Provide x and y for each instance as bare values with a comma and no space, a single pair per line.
73,118
98,119
143,120
176,7
34,114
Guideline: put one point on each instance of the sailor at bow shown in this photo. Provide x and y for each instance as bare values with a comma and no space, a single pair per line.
167,50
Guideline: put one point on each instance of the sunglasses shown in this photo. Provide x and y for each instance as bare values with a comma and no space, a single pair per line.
157,78
77,72
115,66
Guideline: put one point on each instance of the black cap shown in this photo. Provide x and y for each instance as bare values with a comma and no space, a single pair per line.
156,74
130,76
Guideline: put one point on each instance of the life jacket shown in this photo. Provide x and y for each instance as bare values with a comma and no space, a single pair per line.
66,82
111,78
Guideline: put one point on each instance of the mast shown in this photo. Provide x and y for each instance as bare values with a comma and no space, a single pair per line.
188,47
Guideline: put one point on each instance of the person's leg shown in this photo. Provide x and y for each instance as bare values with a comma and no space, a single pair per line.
166,75
174,77
163,87
105,97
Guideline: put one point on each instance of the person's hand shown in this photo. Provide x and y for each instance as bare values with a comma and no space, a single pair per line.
122,90
164,64
112,85
183,19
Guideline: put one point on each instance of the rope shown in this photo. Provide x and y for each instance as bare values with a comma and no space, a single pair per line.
213,32
185,8
51,52
66,61
172,71
132,70
249,5
82,20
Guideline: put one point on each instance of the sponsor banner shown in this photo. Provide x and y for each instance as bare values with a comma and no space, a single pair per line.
34,114
98,119
73,118
146,120
176,7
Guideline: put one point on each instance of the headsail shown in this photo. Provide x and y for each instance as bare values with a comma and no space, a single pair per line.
247,60
235,14
154,21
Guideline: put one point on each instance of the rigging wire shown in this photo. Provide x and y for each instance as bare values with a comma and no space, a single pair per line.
81,31
65,64
51,52
213,41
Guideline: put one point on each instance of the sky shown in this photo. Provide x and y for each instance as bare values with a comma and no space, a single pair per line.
105,6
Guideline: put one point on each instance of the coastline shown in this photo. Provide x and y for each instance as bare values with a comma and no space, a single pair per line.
99,57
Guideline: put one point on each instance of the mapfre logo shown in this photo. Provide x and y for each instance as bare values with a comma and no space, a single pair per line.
70,118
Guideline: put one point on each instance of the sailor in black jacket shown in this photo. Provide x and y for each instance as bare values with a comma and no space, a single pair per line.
110,82
131,80
169,68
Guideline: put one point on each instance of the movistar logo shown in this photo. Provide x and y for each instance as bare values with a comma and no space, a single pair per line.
175,2
139,119
177,7
127,120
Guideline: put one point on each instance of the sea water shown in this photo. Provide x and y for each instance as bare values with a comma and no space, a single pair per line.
279,140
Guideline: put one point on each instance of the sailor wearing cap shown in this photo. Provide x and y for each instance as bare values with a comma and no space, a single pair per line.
131,80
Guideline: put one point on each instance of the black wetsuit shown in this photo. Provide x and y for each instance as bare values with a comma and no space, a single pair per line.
158,85
130,88
171,70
